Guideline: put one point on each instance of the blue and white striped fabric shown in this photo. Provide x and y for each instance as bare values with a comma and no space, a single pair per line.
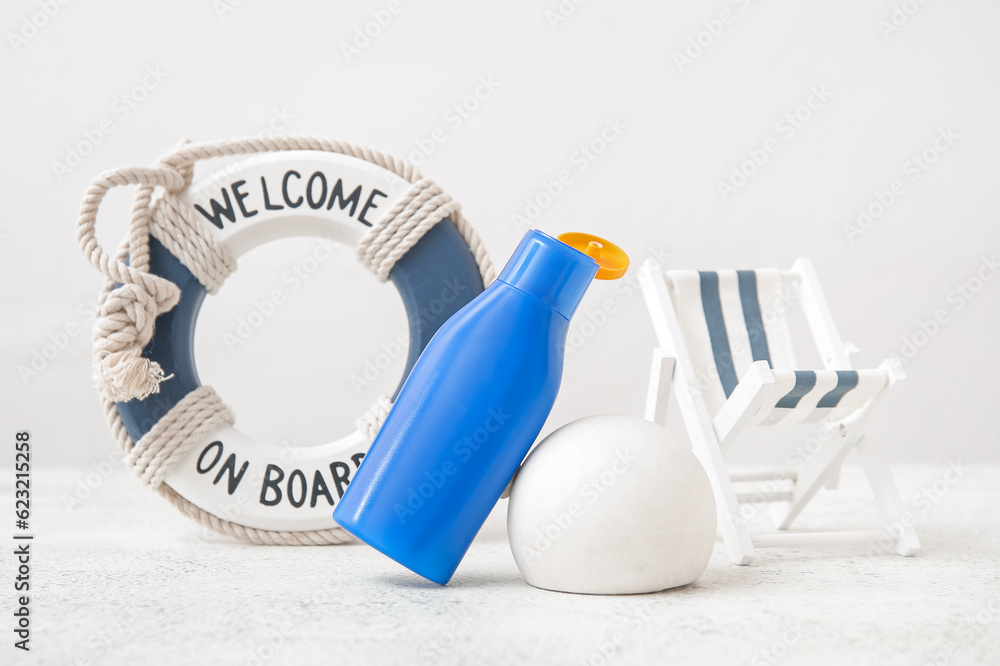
811,396
730,319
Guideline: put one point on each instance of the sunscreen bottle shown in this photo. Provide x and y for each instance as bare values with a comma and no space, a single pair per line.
472,406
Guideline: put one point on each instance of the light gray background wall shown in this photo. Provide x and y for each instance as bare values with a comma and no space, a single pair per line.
557,83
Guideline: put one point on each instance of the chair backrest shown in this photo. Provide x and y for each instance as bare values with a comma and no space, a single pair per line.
729,319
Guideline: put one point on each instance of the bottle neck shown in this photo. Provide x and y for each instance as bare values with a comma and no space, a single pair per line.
550,271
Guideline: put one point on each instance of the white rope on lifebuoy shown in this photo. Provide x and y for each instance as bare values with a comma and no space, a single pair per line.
132,298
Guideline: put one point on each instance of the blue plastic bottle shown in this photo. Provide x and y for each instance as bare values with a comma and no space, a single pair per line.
472,406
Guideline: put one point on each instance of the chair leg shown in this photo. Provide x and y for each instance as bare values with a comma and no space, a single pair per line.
813,475
732,526
899,522
736,537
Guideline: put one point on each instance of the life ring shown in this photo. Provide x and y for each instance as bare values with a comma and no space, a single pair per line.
262,488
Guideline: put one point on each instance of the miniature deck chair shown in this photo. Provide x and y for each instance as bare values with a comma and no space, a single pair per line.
724,343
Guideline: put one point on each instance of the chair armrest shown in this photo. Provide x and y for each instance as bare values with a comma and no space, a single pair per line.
752,392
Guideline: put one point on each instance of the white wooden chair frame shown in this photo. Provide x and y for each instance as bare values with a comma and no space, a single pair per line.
712,438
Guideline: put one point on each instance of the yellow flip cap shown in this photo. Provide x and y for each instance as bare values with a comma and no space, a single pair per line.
612,259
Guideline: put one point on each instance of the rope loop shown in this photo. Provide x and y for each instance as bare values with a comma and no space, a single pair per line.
420,208
172,437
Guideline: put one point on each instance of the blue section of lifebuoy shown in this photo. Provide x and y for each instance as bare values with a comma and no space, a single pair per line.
435,279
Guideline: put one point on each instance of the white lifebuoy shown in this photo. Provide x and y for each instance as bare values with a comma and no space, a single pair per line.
226,473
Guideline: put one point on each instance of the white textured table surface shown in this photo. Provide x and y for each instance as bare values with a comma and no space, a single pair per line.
124,579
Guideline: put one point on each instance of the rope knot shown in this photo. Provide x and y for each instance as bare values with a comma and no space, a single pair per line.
126,375
123,329
181,165
133,307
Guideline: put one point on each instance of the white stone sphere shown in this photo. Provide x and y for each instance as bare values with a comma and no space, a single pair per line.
611,505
